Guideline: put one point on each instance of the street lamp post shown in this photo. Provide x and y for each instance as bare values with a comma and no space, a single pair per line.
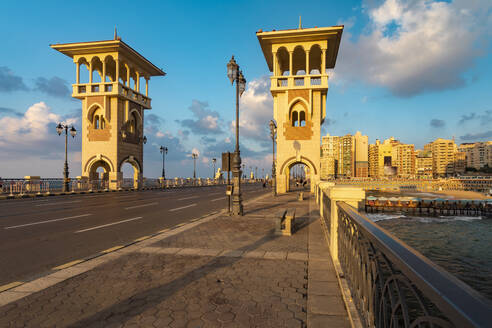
163,152
273,132
59,129
214,160
235,75
195,156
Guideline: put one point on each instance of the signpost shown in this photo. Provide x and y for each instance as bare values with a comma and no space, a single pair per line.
227,166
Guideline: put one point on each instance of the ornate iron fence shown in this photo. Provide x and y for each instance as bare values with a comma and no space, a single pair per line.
395,286
49,185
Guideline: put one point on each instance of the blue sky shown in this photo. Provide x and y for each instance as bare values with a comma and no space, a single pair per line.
415,70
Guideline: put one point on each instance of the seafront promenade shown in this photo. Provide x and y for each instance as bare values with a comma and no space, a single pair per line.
216,271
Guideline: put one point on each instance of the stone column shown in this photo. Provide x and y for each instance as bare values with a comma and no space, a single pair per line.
138,181
353,196
103,77
323,61
77,73
138,82
127,75
307,62
117,73
90,71
291,55
115,180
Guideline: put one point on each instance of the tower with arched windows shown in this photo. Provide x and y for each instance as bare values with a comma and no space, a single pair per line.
298,60
113,105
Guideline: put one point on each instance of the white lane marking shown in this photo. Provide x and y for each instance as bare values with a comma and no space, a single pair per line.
109,224
58,203
48,221
188,197
183,207
214,200
143,205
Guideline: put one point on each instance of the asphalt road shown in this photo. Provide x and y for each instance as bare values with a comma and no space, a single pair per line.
37,235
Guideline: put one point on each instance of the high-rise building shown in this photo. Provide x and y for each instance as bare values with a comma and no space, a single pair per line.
346,165
382,158
361,155
478,154
344,156
459,162
443,157
330,152
423,163
405,159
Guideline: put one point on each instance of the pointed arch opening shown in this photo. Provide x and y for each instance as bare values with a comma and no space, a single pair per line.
315,60
299,61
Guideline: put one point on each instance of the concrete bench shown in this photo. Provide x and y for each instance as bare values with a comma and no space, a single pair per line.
285,222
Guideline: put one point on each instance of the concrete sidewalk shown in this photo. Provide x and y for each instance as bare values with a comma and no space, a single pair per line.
219,271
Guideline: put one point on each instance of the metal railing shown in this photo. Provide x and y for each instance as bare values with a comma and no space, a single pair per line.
14,187
393,285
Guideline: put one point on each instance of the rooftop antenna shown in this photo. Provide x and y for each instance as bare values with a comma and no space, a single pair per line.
300,23
115,34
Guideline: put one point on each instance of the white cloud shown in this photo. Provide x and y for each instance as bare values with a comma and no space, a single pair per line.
31,128
417,46
256,110
29,144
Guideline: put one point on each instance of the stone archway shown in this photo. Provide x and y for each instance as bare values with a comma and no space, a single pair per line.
98,179
137,171
283,179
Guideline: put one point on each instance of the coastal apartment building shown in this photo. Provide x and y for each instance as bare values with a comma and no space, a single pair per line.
382,158
446,160
330,152
344,156
405,160
423,163
478,154
391,158
361,155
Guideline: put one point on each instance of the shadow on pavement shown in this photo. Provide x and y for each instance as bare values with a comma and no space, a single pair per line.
140,302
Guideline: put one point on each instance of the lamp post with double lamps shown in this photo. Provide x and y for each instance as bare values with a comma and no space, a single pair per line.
214,160
235,75
195,156
59,129
273,133
163,152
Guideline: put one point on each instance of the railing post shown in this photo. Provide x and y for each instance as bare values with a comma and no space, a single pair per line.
354,196
321,187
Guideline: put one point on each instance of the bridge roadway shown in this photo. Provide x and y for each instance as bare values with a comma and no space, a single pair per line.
39,234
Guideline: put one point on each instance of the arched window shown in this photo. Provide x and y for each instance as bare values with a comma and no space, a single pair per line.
295,118
97,119
298,115
133,123
302,118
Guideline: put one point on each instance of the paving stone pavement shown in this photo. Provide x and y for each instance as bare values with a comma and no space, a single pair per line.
225,272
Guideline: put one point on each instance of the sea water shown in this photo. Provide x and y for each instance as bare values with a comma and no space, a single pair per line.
461,245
